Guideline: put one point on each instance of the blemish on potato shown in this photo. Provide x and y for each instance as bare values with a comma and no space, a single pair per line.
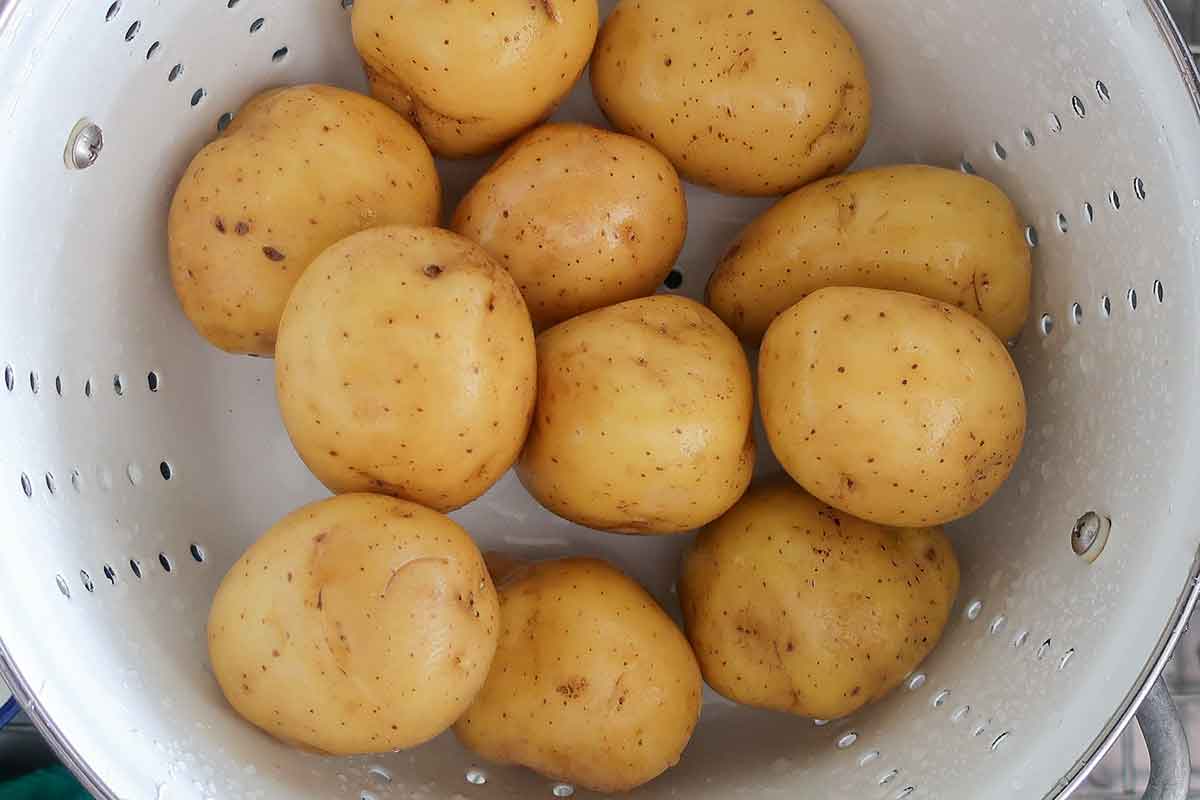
273,254
551,10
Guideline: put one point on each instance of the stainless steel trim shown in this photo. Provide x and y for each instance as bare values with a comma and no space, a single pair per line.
1170,759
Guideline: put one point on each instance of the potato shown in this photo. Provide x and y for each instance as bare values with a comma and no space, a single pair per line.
934,232
472,76
592,683
749,98
895,408
643,418
297,170
406,365
794,606
358,624
582,217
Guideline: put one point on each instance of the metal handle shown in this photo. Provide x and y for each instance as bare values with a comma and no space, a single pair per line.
1170,758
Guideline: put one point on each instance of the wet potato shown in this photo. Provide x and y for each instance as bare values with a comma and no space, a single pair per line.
892,407
472,76
582,217
795,606
643,418
592,683
298,169
406,365
911,228
753,98
358,624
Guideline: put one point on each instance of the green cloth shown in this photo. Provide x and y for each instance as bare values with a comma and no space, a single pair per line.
55,783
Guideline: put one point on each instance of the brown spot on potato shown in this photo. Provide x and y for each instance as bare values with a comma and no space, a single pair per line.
219,224
551,10
433,270
241,228
574,687
273,253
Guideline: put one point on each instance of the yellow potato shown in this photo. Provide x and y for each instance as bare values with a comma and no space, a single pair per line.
934,232
749,99
895,408
582,217
297,170
592,683
472,76
406,365
643,418
794,606
358,624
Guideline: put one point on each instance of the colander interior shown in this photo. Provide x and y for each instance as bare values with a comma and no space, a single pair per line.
138,462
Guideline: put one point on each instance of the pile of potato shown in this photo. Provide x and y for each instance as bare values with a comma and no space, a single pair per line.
416,365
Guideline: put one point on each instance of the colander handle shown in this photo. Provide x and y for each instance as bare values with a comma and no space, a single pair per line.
1166,740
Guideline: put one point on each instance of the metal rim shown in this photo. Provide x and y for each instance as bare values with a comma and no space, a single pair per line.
1075,777
1072,779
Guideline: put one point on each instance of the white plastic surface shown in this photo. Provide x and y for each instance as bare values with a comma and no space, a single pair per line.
120,669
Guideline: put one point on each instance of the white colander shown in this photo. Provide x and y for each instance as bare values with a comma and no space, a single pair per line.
136,462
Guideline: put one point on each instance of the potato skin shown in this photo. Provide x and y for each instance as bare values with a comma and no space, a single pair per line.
643,418
298,169
794,606
747,103
583,218
911,228
406,365
357,624
472,76
592,683
895,408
